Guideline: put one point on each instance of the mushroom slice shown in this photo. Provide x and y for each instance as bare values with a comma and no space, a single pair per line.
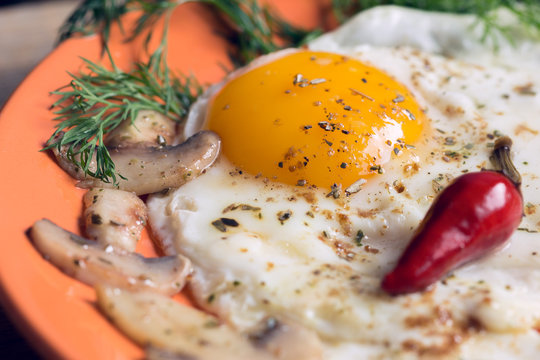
114,217
148,170
62,159
171,330
90,263
286,340
148,127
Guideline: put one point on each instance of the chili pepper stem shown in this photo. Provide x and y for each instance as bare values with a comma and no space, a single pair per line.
502,160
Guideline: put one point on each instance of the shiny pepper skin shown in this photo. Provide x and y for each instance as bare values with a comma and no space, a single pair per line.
474,215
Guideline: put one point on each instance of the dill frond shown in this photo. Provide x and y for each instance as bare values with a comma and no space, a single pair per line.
526,11
97,101
93,16
254,25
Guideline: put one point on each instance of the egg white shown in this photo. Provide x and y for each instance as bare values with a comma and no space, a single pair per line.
310,267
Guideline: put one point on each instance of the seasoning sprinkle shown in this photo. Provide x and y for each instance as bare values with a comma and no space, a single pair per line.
359,237
229,222
284,216
325,125
96,219
398,99
410,114
218,224
356,92
317,81
298,78
222,223
161,140
244,207
526,89
335,191
355,187
377,168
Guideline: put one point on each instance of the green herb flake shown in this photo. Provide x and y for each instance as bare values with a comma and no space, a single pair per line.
359,237
218,224
211,324
222,223
96,219
284,216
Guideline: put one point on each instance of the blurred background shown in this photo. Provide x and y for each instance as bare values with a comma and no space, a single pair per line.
28,32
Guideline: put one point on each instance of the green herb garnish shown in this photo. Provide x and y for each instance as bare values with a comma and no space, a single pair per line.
359,237
254,26
96,102
526,11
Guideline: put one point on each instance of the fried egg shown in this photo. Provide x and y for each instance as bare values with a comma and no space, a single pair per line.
331,157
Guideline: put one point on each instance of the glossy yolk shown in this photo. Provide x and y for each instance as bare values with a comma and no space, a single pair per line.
314,118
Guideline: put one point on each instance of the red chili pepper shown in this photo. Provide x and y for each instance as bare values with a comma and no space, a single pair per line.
474,215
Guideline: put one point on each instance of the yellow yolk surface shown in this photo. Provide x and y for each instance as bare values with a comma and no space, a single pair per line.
314,118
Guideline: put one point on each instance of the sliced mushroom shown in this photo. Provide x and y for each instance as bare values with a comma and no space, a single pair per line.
114,217
286,340
91,263
62,159
149,127
152,169
171,330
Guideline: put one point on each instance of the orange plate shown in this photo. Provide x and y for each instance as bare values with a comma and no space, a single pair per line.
55,312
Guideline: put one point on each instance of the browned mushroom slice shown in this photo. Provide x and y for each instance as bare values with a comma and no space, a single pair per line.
150,170
286,340
90,263
114,217
172,330
62,159
149,127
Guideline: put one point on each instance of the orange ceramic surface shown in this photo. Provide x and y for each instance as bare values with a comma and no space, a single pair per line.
56,313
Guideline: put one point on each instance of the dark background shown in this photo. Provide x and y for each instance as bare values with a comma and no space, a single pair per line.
27,34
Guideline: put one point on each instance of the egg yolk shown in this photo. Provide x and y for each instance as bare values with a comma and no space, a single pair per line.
314,118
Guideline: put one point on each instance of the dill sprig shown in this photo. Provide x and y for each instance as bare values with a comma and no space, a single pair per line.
254,25
526,11
93,16
96,102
